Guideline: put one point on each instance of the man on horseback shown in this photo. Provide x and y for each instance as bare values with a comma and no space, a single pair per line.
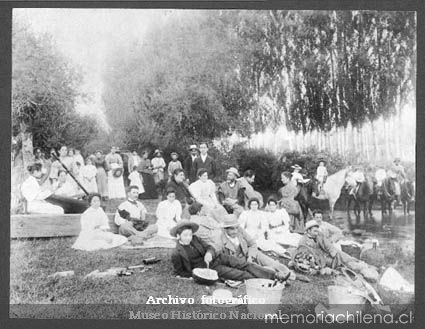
297,177
321,175
357,177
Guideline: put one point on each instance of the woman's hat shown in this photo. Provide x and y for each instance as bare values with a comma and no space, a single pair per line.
230,220
310,224
193,147
233,170
296,167
183,224
117,172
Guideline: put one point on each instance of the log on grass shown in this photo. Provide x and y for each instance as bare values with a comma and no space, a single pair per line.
48,226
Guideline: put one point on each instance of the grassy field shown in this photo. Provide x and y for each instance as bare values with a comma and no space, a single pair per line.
32,261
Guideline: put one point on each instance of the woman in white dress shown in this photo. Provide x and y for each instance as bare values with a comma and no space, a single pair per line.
168,213
88,173
278,224
35,196
114,163
254,222
204,192
94,233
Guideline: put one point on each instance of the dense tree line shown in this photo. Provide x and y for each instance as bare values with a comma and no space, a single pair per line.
45,88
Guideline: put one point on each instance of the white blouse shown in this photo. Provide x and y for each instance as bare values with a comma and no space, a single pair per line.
204,192
254,223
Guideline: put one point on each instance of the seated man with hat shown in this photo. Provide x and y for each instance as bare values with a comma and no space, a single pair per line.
230,194
327,255
131,217
235,241
191,252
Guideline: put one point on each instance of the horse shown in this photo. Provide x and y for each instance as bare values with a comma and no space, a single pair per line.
331,189
304,196
387,195
362,199
407,195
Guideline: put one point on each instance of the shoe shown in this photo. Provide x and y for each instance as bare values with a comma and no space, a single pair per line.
282,277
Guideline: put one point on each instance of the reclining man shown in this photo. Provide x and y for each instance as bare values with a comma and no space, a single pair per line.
328,255
191,252
236,242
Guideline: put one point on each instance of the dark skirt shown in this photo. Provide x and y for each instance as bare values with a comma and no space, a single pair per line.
69,205
150,187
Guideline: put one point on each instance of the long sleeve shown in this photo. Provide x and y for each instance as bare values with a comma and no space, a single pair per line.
213,169
213,192
88,223
103,219
32,191
243,220
179,269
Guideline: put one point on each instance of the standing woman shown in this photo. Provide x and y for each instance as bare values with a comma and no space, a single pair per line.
88,173
158,166
145,169
101,178
287,201
204,192
115,166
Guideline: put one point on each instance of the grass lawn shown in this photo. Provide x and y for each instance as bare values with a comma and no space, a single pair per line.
32,261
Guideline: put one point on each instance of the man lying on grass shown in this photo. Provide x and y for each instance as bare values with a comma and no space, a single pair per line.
191,252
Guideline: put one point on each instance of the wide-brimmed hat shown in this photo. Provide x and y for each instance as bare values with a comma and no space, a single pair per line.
157,151
233,170
182,224
230,220
174,153
296,166
310,224
192,147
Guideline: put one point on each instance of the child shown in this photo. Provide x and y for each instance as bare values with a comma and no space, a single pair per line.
168,213
321,174
173,165
191,252
136,180
88,173
158,165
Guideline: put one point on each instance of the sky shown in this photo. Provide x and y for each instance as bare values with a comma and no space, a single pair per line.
86,36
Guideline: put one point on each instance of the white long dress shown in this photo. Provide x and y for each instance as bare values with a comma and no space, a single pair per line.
204,193
116,188
88,174
278,223
35,198
92,235
168,214
255,224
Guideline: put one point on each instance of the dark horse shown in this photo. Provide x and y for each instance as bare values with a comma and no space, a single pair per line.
363,200
387,196
407,195
304,196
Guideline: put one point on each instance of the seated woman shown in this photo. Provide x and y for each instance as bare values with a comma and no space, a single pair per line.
183,195
191,252
287,201
65,194
168,214
204,192
278,222
94,233
35,196
254,222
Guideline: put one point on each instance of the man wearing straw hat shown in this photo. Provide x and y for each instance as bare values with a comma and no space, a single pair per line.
229,192
237,243
191,252
190,171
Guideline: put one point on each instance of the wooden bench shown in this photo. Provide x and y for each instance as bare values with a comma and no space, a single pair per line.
50,226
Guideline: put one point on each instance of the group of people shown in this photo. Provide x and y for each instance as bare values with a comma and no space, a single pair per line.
227,227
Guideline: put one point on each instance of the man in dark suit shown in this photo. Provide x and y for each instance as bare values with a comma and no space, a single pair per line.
189,164
205,161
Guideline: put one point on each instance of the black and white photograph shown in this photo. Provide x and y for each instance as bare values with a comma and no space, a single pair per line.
193,164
